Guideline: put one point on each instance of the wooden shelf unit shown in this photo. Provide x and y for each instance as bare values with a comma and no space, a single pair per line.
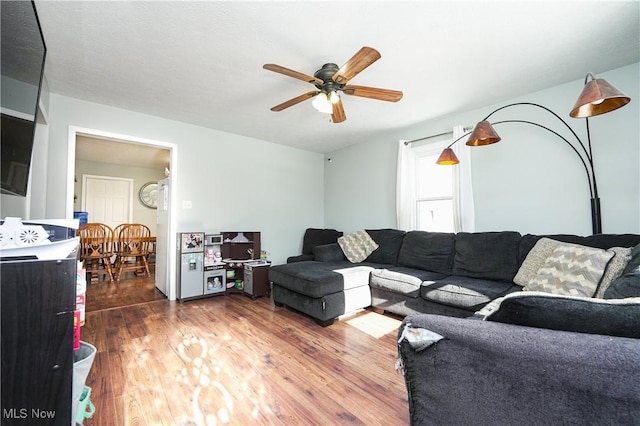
239,251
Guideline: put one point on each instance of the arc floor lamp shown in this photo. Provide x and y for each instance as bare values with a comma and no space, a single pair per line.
597,97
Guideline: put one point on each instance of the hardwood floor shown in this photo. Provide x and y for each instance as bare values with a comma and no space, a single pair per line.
232,360
113,294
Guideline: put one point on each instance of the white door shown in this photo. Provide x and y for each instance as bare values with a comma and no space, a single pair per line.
107,199
163,238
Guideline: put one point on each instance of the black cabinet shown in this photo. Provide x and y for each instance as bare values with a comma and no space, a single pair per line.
38,303
256,279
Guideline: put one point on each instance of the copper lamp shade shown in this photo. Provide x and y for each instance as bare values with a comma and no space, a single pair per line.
483,134
447,158
598,97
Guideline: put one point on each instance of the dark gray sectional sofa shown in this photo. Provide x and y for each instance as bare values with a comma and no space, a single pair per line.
530,357
415,272
472,372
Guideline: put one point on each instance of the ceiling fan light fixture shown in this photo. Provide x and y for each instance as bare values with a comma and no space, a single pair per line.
330,80
322,103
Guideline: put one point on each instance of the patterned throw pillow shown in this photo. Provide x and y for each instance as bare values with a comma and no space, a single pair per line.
357,246
571,270
534,260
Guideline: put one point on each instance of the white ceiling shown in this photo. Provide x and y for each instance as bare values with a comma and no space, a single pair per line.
201,62
117,152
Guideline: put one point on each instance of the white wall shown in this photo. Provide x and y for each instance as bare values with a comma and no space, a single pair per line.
360,184
530,182
235,183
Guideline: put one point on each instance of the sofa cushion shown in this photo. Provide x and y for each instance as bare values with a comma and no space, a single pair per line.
315,237
603,241
487,255
430,251
568,313
317,279
572,270
357,246
402,280
529,241
628,284
389,242
464,292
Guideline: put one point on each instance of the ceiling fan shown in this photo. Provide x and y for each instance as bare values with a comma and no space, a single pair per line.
330,80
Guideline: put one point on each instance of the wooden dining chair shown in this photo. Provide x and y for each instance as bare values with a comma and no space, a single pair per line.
96,249
116,233
151,259
133,249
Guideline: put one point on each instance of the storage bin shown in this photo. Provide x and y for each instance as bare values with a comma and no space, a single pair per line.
82,361
83,217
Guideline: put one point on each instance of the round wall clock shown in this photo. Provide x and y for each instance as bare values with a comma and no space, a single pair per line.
149,195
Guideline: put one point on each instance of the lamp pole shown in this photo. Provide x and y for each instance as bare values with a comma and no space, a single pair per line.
597,97
583,152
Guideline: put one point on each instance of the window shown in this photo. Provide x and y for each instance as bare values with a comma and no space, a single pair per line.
434,192
430,197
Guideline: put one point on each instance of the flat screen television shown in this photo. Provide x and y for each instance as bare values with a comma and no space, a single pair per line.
23,53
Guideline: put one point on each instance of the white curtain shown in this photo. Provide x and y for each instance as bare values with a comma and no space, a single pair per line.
405,188
463,207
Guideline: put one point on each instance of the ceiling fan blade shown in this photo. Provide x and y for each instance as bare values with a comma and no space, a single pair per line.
292,73
373,93
338,115
296,100
362,59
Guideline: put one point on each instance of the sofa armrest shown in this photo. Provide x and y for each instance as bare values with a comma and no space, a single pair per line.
611,317
315,237
328,253
485,372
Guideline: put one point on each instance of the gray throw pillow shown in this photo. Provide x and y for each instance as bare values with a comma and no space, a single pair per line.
534,260
614,269
357,246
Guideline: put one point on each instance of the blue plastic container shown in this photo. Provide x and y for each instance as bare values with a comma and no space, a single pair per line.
83,217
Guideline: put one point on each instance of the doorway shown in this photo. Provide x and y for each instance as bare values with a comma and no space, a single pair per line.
163,260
